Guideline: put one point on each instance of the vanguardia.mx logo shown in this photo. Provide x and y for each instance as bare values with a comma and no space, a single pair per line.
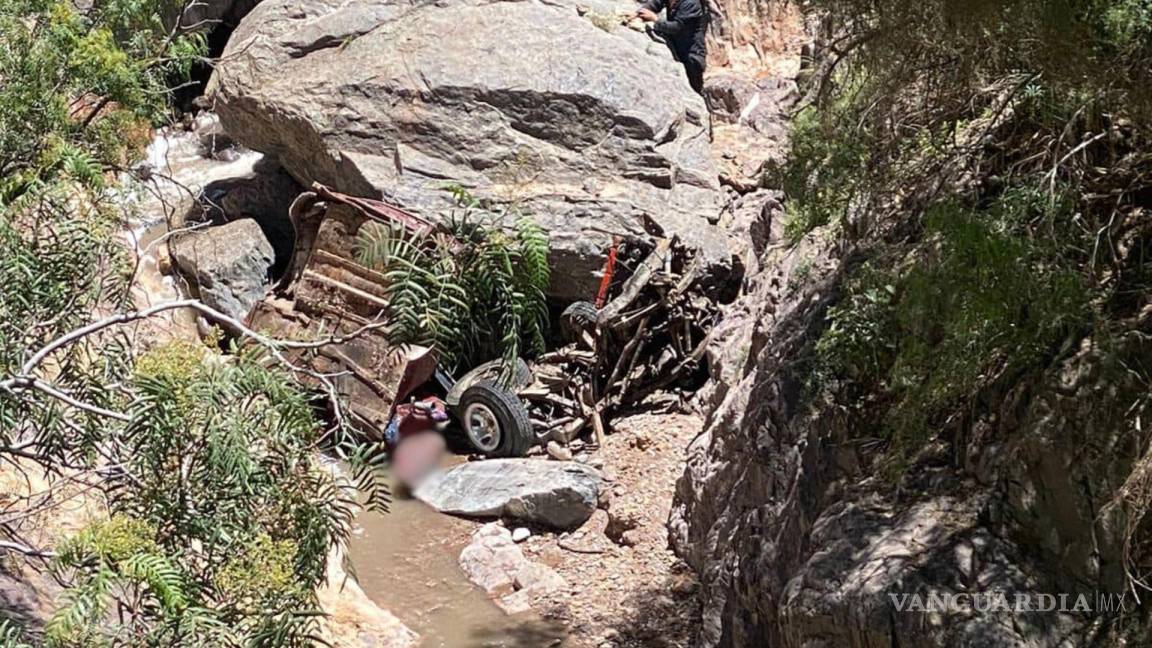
999,601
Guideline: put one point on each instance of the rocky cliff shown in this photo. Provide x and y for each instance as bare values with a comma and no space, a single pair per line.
1034,485
798,535
799,542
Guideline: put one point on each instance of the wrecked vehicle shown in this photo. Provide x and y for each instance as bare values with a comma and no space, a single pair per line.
393,391
645,334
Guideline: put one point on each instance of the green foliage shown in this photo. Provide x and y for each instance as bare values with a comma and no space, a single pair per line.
860,338
259,575
482,301
224,514
79,80
899,101
980,301
1091,47
12,635
827,171
115,558
990,162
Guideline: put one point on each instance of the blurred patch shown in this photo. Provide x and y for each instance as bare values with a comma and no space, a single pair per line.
417,455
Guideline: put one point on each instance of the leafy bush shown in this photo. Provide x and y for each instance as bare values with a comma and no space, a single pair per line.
224,515
827,170
473,304
991,161
977,302
860,338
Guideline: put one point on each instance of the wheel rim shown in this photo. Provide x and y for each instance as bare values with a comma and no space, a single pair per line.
481,426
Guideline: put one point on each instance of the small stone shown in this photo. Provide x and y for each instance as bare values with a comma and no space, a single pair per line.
558,452
520,534
516,602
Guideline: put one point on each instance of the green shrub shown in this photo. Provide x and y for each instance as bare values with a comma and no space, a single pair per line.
224,513
473,304
826,171
977,301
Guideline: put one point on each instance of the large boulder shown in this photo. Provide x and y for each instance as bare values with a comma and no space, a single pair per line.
263,195
226,266
552,493
592,130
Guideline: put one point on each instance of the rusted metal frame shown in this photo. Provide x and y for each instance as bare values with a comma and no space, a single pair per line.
362,271
340,285
379,210
361,372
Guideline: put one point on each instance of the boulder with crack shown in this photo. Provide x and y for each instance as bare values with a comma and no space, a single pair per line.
560,495
226,266
592,132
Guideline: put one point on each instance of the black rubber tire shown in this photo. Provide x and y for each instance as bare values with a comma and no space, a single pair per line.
521,377
516,435
578,317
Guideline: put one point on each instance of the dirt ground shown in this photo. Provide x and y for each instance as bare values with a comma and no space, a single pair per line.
625,586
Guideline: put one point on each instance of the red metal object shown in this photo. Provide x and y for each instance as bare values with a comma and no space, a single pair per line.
609,271
383,212
423,415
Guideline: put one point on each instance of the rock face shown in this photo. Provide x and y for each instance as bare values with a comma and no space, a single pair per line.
556,494
592,132
227,266
751,124
798,542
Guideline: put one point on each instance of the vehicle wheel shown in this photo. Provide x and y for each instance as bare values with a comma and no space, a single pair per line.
521,377
578,317
495,421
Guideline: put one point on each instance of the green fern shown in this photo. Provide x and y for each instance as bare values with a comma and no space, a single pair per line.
12,635
485,301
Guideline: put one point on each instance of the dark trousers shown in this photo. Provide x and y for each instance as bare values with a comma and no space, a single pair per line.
695,72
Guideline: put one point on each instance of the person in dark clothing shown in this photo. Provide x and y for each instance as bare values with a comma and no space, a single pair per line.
683,28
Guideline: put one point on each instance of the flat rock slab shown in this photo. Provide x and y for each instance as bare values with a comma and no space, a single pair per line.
555,494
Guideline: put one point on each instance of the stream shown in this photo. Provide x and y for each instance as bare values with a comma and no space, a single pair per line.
405,560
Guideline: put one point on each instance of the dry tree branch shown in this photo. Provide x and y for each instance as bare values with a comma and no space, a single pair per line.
24,379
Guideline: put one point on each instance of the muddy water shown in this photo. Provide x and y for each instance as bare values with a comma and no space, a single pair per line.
405,561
